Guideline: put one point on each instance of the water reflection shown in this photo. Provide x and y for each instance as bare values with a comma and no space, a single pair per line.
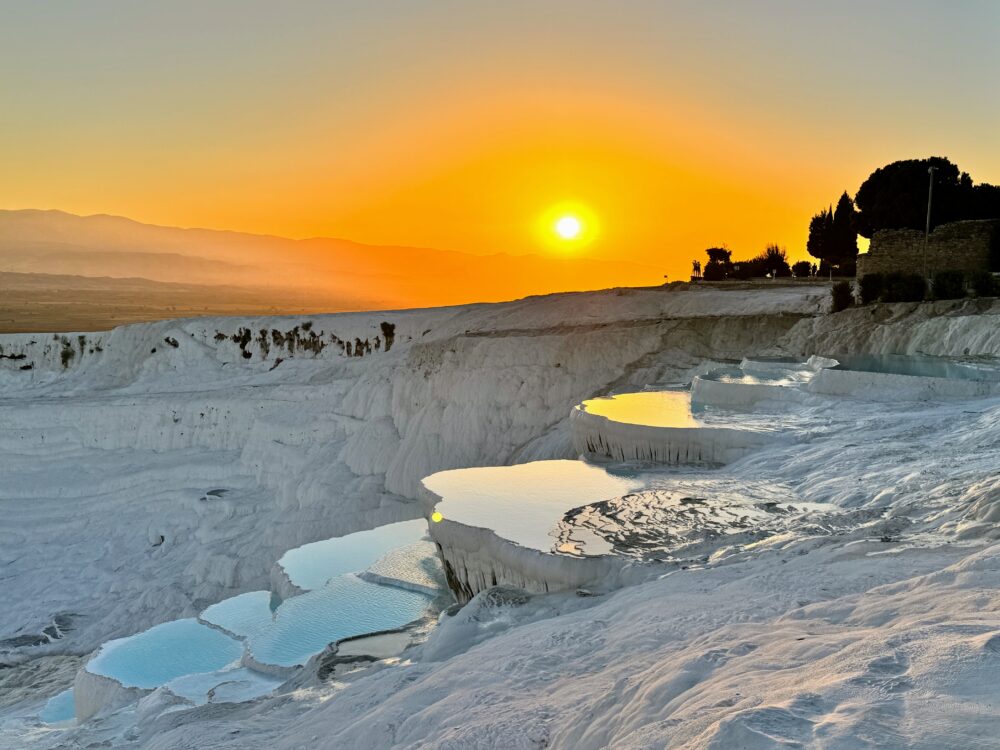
651,408
312,565
523,503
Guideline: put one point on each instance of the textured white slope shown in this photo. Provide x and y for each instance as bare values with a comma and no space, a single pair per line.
170,480
949,328
811,638
883,632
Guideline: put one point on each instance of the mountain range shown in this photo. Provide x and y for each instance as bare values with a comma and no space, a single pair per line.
335,273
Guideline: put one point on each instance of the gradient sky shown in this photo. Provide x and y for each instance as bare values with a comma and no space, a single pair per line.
459,124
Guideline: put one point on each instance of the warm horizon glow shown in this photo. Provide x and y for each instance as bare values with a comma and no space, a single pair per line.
663,128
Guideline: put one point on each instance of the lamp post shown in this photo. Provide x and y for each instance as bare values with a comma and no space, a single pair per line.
927,228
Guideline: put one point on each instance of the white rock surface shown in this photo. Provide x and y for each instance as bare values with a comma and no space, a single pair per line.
890,386
817,638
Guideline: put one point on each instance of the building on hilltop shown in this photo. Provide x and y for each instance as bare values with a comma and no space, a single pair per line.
959,246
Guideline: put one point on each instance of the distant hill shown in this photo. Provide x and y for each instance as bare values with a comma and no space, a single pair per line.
347,275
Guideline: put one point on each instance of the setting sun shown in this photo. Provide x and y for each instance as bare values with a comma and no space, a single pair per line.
568,227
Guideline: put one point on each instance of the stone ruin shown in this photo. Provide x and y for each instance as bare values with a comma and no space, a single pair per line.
961,246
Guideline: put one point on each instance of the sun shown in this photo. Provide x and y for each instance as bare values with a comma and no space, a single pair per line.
568,227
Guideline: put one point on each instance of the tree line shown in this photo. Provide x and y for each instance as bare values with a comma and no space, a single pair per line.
892,197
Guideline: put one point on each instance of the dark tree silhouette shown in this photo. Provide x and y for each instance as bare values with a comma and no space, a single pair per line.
802,269
895,196
833,238
719,264
845,236
819,244
773,261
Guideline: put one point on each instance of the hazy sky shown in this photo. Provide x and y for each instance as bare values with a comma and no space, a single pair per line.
677,125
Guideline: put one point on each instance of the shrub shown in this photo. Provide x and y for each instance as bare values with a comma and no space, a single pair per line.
983,284
389,332
842,296
714,272
948,285
871,286
904,287
802,269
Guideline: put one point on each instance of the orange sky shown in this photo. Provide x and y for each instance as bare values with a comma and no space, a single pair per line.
457,125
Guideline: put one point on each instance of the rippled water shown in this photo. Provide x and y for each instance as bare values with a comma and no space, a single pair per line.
347,606
242,615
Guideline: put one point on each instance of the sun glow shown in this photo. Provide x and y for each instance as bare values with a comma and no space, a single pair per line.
568,226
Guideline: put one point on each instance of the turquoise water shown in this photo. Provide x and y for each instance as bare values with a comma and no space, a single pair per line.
165,652
59,708
347,606
242,615
921,366
192,658
312,565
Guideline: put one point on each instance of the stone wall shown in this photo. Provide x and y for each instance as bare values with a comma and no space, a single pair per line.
960,245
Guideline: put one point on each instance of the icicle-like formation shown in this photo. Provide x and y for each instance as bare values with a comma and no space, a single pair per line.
476,559
599,437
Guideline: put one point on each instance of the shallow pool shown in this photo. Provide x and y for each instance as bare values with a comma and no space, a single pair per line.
921,366
226,686
346,606
59,708
416,566
312,565
242,615
523,503
165,652
650,408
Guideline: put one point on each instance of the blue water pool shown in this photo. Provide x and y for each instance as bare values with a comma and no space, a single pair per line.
242,615
165,652
312,565
347,606
921,366
59,708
